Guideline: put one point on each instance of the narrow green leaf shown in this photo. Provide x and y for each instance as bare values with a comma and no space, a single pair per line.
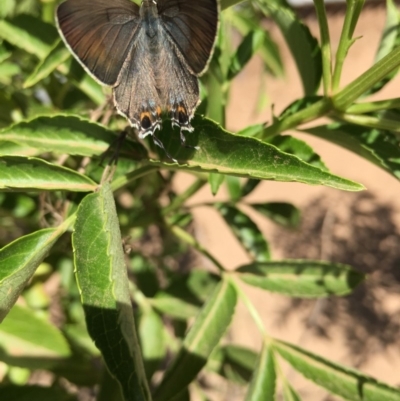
241,156
302,278
263,383
152,340
299,148
247,48
289,394
29,341
268,50
303,46
284,214
29,33
68,134
29,173
29,393
233,362
246,231
347,383
57,55
206,332
376,146
8,71
103,282
175,307
4,53
215,180
19,261
234,187
249,186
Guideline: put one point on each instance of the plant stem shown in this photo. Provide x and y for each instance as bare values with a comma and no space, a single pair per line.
376,73
250,307
181,199
186,237
370,121
119,182
350,19
325,46
367,107
310,113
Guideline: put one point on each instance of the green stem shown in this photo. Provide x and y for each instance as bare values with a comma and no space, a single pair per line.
359,86
369,121
186,237
325,46
310,113
250,307
120,182
184,196
350,19
368,107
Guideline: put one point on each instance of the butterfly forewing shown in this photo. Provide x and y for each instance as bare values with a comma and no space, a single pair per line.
193,26
100,34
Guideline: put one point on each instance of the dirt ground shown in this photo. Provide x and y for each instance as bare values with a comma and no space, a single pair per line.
361,229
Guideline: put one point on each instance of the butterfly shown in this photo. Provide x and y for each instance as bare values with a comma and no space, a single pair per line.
150,55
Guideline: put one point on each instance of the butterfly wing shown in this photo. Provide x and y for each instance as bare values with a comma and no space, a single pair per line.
136,96
100,33
179,87
193,27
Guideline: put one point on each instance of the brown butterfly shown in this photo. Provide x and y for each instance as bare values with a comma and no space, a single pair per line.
150,55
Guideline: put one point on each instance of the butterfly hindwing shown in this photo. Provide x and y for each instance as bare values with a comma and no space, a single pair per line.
137,96
193,26
180,88
100,34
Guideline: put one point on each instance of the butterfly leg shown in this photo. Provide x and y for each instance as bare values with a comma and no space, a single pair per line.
158,142
181,119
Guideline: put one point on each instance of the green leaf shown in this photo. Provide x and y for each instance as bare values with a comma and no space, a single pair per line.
289,394
263,383
246,231
215,180
19,261
234,187
347,383
57,55
152,340
299,148
68,134
231,154
206,332
249,186
303,46
8,71
28,173
268,50
194,287
233,362
29,393
247,48
301,278
284,214
174,307
29,34
378,147
389,40
31,342
103,283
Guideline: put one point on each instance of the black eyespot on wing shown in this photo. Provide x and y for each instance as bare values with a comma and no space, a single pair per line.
145,121
100,33
192,24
